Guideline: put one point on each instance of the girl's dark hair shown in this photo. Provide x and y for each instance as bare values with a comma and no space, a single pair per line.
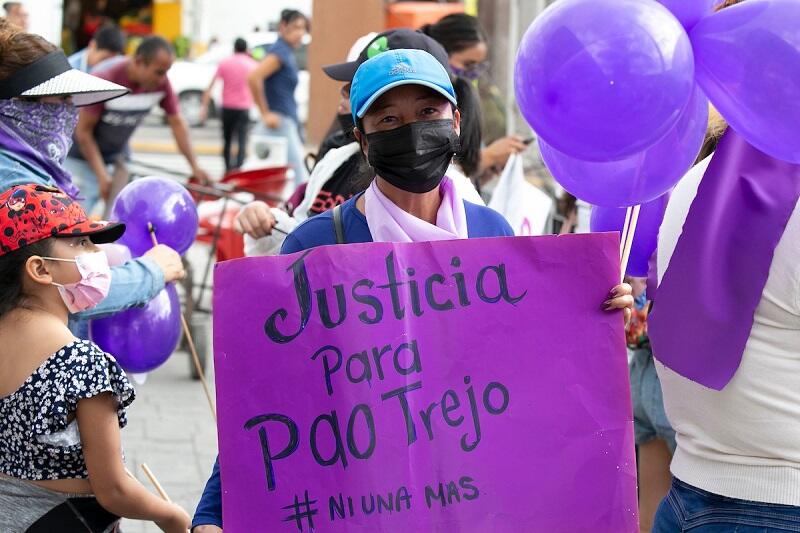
290,15
456,32
19,49
469,157
11,272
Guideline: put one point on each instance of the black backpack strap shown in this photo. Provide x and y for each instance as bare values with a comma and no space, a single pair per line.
338,226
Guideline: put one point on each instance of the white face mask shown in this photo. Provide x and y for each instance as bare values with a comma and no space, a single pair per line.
93,286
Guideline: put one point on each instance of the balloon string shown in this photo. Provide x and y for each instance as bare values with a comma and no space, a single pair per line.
624,236
156,484
190,341
629,232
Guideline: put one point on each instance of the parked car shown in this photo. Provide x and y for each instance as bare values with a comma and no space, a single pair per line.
190,78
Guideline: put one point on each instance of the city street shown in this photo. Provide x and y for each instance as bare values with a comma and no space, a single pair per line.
170,427
152,144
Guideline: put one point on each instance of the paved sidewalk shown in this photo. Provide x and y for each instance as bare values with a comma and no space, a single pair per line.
171,429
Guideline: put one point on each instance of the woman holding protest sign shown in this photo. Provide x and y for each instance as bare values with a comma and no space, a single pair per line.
407,125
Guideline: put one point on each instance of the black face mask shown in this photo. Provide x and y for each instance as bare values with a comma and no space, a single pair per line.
414,157
347,124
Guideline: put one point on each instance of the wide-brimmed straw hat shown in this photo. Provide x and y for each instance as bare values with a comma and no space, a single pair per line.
52,75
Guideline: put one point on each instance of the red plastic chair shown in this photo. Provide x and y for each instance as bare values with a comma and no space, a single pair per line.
264,183
230,243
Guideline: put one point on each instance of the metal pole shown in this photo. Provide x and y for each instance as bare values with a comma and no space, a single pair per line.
513,42
192,349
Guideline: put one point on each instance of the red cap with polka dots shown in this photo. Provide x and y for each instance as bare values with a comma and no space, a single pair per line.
31,213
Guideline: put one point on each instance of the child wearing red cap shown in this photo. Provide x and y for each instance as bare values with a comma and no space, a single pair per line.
62,400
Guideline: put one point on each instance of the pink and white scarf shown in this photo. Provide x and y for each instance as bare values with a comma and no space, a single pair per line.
389,223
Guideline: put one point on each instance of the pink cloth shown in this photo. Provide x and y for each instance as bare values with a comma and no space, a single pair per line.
233,72
389,223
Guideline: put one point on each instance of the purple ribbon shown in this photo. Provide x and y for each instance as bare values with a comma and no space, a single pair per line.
708,296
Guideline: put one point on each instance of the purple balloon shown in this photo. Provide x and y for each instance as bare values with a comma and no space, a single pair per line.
642,177
142,338
748,63
645,237
165,203
689,12
603,79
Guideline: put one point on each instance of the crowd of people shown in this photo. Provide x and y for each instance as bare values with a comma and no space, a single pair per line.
405,160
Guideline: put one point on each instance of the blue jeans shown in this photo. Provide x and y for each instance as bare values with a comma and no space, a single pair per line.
692,510
84,177
649,418
290,130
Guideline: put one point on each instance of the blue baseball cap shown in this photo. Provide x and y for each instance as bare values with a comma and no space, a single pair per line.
393,68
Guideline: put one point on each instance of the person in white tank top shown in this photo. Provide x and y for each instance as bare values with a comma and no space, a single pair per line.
737,463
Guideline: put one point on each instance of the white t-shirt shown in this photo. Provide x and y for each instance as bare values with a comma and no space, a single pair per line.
743,441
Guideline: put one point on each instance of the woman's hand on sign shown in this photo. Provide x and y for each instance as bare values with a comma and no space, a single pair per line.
178,523
207,529
621,297
255,219
168,260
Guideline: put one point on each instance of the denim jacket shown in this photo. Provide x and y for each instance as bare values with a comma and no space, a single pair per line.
132,285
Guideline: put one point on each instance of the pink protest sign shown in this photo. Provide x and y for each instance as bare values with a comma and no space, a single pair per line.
461,386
